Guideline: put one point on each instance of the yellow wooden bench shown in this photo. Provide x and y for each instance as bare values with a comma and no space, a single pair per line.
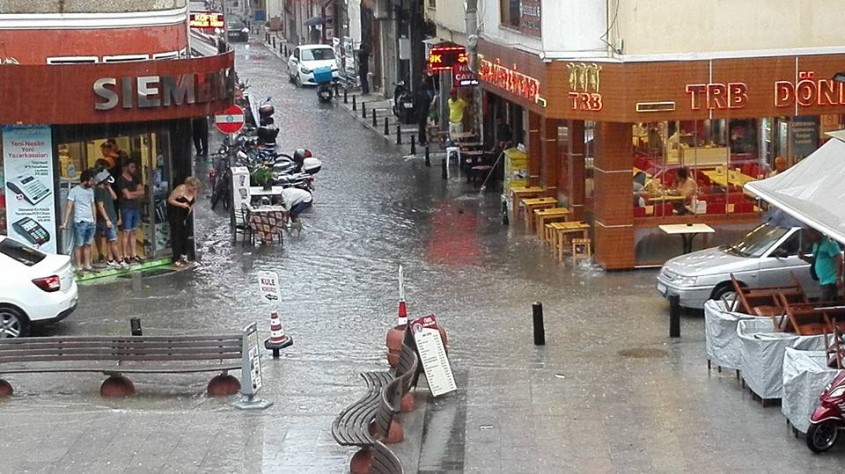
547,215
533,204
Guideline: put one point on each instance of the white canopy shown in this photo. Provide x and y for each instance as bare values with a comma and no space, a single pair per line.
812,191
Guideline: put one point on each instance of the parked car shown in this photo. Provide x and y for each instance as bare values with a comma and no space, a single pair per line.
236,31
766,256
35,288
306,58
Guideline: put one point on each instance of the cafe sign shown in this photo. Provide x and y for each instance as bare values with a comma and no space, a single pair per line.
508,79
206,20
585,87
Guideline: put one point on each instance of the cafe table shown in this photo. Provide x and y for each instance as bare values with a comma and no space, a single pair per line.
532,204
268,222
687,232
518,194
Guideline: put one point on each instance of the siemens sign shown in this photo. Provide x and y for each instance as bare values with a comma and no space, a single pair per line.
164,91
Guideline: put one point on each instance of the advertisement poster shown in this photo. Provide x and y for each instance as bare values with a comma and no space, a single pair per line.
30,204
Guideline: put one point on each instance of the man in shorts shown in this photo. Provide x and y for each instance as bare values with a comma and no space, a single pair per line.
104,197
80,206
131,192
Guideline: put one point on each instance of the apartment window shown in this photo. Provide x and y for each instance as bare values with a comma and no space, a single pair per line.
432,3
510,12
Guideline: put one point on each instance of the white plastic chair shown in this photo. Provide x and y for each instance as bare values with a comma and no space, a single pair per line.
449,151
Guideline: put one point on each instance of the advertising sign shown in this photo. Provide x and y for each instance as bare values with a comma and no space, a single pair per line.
206,20
251,381
30,203
433,356
444,58
268,283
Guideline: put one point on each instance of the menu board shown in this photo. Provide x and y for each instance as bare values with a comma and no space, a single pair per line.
805,136
30,203
530,17
433,356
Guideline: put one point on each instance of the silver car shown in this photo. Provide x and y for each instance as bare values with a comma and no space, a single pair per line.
766,256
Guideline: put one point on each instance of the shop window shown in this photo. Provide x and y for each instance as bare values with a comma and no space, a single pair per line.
73,60
432,4
510,12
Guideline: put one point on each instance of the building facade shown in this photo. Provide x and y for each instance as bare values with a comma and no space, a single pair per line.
610,97
123,73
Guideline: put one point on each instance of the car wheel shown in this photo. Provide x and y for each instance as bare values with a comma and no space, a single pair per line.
13,323
724,291
298,80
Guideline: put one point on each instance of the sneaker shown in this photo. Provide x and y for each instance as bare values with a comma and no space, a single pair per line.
112,264
137,259
122,264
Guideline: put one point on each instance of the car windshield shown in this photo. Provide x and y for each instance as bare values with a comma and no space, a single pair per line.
758,241
318,54
20,252
235,25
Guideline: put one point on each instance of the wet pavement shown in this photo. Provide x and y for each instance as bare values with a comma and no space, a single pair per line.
608,393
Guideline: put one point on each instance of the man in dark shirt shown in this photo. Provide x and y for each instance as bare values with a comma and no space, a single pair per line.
364,67
130,192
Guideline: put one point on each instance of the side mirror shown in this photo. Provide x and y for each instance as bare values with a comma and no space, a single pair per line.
780,253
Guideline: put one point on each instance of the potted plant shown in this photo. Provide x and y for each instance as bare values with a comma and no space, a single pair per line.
263,177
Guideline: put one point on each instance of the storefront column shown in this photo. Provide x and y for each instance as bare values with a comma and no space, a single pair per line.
535,151
575,171
613,215
549,161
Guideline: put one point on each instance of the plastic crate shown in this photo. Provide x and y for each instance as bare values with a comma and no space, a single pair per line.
323,75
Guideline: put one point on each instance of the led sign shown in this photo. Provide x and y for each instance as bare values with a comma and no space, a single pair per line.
206,20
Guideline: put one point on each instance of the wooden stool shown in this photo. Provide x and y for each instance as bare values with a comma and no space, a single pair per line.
562,232
517,194
581,250
544,216
532,204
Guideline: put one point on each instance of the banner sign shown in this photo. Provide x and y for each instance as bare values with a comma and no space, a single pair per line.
30,203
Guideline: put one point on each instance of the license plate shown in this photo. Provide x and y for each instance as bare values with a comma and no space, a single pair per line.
661,288
408,106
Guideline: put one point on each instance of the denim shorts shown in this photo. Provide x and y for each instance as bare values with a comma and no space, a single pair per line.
110,233
131,218
83,233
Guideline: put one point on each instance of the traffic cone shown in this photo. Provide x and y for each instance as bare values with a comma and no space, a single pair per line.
278,339
396,335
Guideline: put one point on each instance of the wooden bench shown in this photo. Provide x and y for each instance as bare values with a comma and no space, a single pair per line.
532,204
764,301
115,356
370,421
546,216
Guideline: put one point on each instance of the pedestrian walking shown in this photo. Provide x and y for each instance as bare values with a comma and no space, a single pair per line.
80,208
422,101
130,192
364,67
199,129
104,197
825,265
180,204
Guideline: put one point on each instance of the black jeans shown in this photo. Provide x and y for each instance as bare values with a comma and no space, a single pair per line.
178,238
201,142
365,86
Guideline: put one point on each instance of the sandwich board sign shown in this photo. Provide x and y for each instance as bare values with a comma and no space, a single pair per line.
433,356
268,284
251,381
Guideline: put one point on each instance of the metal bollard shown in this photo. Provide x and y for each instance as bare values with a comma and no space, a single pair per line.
137,284
505,219
354,103
539,329
363,109
674,316
375,120
444,173
398,134
274,42
336,90
427,157
345,96
281,49
413,144
135,326
386,128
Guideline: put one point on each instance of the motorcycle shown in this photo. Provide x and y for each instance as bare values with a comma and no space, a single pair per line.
828,419
403,103
324,77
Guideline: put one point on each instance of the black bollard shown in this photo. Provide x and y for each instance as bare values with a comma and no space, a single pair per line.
135,326
354,103
284,50
363,109
427,157
281,48
386,128
444,173
398,134
375,120
274,42
413,144
345,96
674,316
505,220
336,95
539,330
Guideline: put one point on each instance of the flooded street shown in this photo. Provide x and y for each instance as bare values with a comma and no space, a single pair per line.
610,392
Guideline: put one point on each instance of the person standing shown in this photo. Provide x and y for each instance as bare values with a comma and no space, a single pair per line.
130,192
180,204
104,197
80,206
825,264
364,67
456,114
422,99
199,129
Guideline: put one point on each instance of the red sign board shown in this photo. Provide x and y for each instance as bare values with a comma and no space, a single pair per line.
206,20
445,58
230,120
424,322
463,77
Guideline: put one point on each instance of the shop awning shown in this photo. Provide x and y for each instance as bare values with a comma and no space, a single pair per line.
812,191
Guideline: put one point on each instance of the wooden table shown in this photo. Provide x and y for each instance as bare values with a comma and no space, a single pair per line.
523,193
545,216
727,177
666,198
562,230
687,232
532,204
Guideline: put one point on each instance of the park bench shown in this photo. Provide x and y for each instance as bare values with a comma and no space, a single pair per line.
369,422
116,356
765,301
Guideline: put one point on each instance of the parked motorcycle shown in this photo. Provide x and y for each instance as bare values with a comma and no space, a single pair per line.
403,103
828,420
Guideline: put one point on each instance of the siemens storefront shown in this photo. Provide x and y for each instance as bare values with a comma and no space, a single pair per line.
58,120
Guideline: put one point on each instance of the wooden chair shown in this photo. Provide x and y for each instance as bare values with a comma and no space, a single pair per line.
811,319
763,300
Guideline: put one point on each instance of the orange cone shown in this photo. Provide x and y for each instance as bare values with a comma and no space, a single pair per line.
278,339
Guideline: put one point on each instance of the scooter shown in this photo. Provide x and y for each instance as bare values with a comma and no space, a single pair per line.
403,102
324,77
828,420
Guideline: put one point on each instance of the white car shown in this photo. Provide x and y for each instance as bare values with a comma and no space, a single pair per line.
35,288
306,58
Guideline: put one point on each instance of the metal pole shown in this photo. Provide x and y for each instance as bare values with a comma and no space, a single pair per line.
427,157
674,316
398,134
354,103
375,120
413,144
386,128
539,330
505,219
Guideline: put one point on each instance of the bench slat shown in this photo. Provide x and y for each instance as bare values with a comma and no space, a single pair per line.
120,357
117,343
385,461
157,369
135,351
351,426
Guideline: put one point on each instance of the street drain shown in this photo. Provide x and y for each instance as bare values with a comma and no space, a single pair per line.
643,353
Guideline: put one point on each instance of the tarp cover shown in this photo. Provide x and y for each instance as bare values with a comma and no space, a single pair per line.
762,354
805,375
721,342
812,191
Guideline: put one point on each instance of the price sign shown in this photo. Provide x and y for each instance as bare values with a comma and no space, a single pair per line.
251,368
